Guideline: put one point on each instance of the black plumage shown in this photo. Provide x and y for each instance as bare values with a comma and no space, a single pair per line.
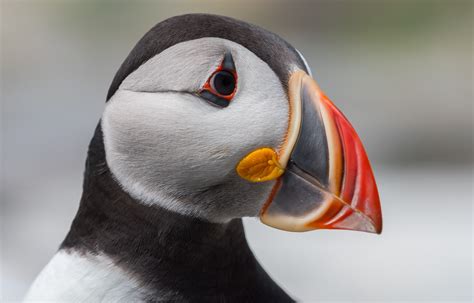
183,259
180,258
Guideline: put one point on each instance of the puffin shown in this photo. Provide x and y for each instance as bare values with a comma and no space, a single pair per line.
208,120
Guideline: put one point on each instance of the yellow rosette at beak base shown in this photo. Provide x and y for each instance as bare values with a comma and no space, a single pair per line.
260,165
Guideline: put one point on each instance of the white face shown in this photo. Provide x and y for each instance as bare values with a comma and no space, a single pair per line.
167,146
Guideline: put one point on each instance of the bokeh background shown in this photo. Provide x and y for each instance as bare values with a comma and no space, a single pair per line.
400,70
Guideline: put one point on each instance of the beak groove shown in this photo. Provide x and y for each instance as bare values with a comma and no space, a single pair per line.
328,183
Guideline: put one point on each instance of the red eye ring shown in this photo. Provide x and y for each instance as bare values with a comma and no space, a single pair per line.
221,86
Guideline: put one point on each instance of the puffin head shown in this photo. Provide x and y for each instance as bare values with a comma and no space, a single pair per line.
214,118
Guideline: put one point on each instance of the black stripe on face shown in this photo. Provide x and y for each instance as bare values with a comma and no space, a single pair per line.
269,47
213,99
228,62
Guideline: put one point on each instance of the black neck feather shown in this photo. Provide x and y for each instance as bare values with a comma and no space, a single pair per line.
180,257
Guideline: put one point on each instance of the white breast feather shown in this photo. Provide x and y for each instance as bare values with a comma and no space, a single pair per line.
74,277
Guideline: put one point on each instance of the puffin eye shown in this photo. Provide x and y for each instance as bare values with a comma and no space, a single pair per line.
223,82
221,86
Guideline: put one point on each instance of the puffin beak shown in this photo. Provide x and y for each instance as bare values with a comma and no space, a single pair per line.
327,181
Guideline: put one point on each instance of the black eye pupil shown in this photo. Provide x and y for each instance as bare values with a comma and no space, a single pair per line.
224,83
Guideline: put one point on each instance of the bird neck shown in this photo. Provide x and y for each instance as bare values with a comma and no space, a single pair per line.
162,249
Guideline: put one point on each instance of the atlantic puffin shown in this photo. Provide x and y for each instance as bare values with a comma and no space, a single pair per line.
209,119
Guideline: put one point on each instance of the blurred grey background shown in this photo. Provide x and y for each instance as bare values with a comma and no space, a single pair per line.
400,70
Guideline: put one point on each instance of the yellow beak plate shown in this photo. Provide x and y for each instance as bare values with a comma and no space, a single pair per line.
260,165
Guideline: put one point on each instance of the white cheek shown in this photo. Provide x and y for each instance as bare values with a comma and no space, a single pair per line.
182,67
163,145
